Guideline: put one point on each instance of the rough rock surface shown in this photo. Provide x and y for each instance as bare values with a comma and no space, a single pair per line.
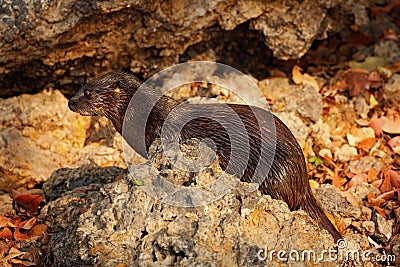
117,223
40,135
46,44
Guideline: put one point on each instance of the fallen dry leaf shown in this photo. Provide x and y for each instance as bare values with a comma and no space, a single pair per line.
366,144
37,230
387,195
313,184
372,102
300,78
394,144
29,224
363,122
4,221
356,80
372,175
386,184
357,179
18,236
372,201
394,177
377,125
4,246
369,64
380,210
17,223
30,202
391,126
377,183
374,76
5,233
336,180
330,217
13,253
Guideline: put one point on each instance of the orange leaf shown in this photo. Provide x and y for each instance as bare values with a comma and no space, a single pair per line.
366,144
299,78
357,179
5,233
4,221
394,178
377,183
391,126
377,125
29,224
37,230
386,184
387,196
17,223
380,211
374,76
13,253
30,202
336,180
19,236
372,201
4,246
373,175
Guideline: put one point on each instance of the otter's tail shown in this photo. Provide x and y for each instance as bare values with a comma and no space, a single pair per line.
311,206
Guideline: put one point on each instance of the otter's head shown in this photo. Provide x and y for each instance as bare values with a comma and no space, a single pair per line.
108,96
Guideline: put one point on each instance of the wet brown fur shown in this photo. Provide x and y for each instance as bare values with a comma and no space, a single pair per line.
287,178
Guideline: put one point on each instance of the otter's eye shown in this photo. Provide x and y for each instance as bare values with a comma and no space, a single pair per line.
86,93
115,84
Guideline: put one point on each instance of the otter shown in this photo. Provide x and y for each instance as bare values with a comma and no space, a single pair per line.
286,178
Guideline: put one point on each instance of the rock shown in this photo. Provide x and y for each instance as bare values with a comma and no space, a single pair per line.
361,191
365,163
331,200
303,99
276,88
388,50
113,223
39,135
295,124
345,152
121,224
369,227
107,221
361,107
395,245
6,205
320,131
359,134
392,91
325,153
60,44
384,228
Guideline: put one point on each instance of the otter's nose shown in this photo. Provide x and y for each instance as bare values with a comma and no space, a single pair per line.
72,103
